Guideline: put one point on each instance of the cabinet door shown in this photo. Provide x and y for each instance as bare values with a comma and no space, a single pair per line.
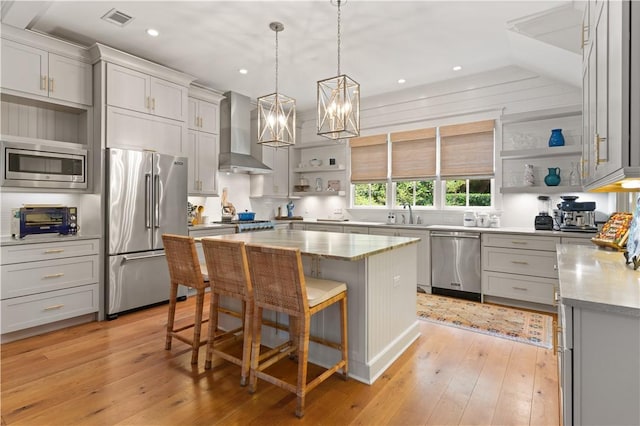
130,129
208,114
602,88
128,88
168,99
190,149
192,117
24,68
70,80
208,163
276,183
424,255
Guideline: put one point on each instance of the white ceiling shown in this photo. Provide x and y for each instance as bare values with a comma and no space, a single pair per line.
382,41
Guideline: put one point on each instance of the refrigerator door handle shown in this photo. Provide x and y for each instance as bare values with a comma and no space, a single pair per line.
148,203
156,198
127,258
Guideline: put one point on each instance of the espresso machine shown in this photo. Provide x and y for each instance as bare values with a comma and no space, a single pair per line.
577,216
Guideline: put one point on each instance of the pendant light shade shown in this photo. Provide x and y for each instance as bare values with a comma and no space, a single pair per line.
276,112
338,101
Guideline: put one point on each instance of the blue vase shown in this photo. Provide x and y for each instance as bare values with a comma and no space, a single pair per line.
556,139
553,178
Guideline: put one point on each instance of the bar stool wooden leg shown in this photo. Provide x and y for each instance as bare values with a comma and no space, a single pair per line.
255,348
303,355
213,326
172,314
246,345
197,326
343,325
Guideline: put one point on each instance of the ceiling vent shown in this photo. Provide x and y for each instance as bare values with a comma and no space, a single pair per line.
117,17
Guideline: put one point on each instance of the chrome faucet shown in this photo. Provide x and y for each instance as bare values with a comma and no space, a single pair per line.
404,206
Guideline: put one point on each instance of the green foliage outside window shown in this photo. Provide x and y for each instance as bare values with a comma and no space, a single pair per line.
423,191
479,192
370,194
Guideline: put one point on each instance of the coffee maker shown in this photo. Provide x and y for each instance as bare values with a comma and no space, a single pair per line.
543,222
577,216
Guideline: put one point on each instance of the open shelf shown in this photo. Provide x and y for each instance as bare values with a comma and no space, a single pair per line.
319,169
555,151
540,189
320,193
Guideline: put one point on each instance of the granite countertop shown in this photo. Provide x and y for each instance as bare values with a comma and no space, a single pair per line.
331,245
595,278
44,238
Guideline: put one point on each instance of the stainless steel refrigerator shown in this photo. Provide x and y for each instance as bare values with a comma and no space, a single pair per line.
146,197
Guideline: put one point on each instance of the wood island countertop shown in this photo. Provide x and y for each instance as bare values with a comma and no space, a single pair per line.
330,245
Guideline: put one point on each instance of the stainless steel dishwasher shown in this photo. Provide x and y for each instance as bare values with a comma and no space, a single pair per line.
455,264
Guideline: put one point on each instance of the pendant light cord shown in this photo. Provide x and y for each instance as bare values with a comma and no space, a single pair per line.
276,62
339,1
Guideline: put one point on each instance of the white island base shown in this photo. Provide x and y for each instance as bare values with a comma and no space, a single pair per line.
381,293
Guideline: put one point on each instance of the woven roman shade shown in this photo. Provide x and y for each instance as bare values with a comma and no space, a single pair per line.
413,154
467,149
369,158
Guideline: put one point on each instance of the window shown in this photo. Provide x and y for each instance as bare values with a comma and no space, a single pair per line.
468,192
448,166
414,193
370,194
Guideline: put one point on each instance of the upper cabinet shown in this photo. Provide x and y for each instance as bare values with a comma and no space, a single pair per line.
35,71
137,91
202,143
525,141
203,116
611,75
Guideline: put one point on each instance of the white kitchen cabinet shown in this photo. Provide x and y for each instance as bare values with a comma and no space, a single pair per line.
202,152
203,116
355,229
36,71
519,268
525,140
610,93
136,130
202,145
323,227
275,184
47,282
424,251
137,91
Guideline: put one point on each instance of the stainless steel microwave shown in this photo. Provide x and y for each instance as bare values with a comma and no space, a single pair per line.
30,165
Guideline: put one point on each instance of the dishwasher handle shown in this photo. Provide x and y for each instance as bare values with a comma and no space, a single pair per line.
455,235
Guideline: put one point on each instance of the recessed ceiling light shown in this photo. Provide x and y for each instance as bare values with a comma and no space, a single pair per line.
153,32
243,71
402,81
457,68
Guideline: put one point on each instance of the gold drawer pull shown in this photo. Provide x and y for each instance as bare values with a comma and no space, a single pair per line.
52,251
54,307
519,262
520,288
58,275
523,243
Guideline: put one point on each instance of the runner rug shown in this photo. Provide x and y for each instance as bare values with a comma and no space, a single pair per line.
513,324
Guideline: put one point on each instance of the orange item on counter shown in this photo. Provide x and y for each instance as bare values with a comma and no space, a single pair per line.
615,232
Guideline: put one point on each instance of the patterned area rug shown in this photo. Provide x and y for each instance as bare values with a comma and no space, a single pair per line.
514,324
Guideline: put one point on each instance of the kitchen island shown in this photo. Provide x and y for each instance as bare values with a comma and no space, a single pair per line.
380,273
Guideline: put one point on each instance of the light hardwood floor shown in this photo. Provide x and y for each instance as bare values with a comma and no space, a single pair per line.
118,373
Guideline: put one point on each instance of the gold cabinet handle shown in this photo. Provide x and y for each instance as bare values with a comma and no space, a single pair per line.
520,288
51,84
147,103
598,139
519,262
43,82
153,104
54,307
585,31
58,275
522,243
53,251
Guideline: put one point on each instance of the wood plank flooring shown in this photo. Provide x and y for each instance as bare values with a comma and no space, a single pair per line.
118,373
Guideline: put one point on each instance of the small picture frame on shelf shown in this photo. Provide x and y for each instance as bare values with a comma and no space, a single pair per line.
333,185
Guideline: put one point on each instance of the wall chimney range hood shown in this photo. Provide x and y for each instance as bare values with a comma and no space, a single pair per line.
235,136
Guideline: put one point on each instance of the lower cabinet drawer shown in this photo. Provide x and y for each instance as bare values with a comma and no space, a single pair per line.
22,279
524,262
30,311
518,287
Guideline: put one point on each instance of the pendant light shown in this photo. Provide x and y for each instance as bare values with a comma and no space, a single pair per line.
276,112
338,101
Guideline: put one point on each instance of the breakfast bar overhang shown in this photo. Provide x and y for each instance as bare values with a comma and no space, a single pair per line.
381,276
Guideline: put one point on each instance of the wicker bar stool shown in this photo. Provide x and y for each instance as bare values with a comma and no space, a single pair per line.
279,285
185,269
229,276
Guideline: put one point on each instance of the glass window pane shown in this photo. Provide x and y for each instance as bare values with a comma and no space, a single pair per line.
370,194
379,194
415,193
456,194
480,192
